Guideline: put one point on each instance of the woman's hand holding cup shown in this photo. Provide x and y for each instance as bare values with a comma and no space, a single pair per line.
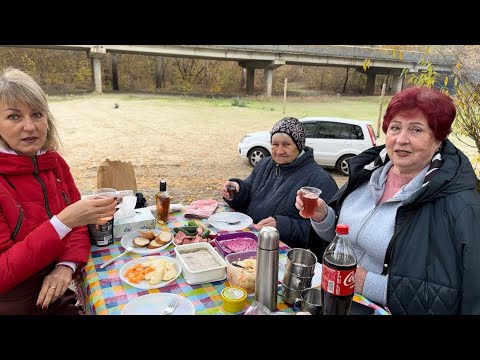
95,209
229,189
310,204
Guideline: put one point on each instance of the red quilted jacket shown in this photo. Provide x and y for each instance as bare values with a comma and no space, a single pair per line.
32,190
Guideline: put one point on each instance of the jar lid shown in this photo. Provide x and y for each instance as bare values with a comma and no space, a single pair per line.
234,293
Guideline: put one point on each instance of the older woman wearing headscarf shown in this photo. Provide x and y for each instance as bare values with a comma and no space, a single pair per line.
267,195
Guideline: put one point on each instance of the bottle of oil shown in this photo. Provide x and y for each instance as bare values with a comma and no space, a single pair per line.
162,201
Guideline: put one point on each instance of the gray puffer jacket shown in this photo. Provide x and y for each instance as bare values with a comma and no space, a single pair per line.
270,190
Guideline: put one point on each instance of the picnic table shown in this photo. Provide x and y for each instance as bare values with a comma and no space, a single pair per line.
104,293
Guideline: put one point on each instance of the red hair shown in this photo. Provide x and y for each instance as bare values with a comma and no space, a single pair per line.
438,109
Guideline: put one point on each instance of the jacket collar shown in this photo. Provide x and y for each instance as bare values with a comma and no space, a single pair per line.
454,175
298,162
20,164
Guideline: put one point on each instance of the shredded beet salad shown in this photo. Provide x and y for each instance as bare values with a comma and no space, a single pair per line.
238,244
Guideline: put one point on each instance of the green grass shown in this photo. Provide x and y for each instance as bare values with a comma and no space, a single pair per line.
362,108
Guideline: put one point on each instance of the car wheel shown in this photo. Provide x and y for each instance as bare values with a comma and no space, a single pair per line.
342,164
257,154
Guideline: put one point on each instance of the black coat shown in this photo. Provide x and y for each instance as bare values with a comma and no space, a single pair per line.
434,264
270,190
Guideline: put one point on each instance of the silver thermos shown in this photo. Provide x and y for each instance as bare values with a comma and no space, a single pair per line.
267,267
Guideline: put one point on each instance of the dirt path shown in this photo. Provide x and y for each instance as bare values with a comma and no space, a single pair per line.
191,145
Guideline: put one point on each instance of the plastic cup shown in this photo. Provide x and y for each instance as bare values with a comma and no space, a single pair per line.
309,197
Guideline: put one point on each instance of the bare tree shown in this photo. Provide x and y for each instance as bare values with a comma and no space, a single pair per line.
190,70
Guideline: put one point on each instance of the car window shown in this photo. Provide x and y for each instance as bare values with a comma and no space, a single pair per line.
356,132
333,130
309,129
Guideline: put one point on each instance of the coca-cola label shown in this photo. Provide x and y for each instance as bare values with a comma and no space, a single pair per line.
338,282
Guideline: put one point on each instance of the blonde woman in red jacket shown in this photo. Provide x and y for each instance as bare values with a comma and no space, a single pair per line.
44,240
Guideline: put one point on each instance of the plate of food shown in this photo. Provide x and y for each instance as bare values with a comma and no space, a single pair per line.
147,242
230,221
151,272
155,304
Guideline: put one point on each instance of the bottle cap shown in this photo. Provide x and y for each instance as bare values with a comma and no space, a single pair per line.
268,238
163,185
341,229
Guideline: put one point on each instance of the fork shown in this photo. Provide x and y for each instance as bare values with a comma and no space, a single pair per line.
127,250
171,307
228,222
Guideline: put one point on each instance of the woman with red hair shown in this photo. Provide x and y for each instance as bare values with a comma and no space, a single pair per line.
413,212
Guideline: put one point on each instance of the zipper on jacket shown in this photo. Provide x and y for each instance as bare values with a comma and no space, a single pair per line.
44,188
19,222
364,224
65,197
277,170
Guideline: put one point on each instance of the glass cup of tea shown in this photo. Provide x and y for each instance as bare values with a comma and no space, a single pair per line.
309,197
232,190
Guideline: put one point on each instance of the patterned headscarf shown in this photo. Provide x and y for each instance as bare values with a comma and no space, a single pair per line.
292,127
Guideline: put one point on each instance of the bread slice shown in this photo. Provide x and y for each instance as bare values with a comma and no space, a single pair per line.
149,234
154,244
163,237
140,242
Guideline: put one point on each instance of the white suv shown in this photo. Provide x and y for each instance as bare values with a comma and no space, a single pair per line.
334,141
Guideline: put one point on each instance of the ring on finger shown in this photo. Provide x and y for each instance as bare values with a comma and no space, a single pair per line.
102,215
53,287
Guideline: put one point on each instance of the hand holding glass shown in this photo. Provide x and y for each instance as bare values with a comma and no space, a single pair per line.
232,190
309,196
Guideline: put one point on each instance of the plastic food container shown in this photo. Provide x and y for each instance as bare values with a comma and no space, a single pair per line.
233,299
216,272
244,278
224,241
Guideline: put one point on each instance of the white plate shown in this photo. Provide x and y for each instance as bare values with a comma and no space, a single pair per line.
154,304
127,240
245,221
143,284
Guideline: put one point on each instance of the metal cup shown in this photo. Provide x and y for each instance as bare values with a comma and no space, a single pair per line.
301,262
296,282
310,301
289,295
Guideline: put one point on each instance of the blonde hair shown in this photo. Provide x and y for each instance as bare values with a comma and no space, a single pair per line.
19,87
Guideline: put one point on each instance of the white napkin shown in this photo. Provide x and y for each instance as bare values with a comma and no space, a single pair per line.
126,208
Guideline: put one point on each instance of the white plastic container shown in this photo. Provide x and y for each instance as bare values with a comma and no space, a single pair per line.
210,274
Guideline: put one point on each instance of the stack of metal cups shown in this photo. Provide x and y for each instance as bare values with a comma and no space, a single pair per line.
299,271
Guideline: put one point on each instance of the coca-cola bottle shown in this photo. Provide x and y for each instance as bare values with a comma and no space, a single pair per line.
339,265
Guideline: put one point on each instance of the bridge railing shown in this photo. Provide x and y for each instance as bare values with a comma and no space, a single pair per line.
357,52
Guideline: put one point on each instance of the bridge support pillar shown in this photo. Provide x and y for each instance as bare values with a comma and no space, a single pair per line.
268,66
97,53
115,61
369,89
269,81
250,81
397,83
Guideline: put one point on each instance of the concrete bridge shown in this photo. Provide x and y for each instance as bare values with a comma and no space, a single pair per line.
270,57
